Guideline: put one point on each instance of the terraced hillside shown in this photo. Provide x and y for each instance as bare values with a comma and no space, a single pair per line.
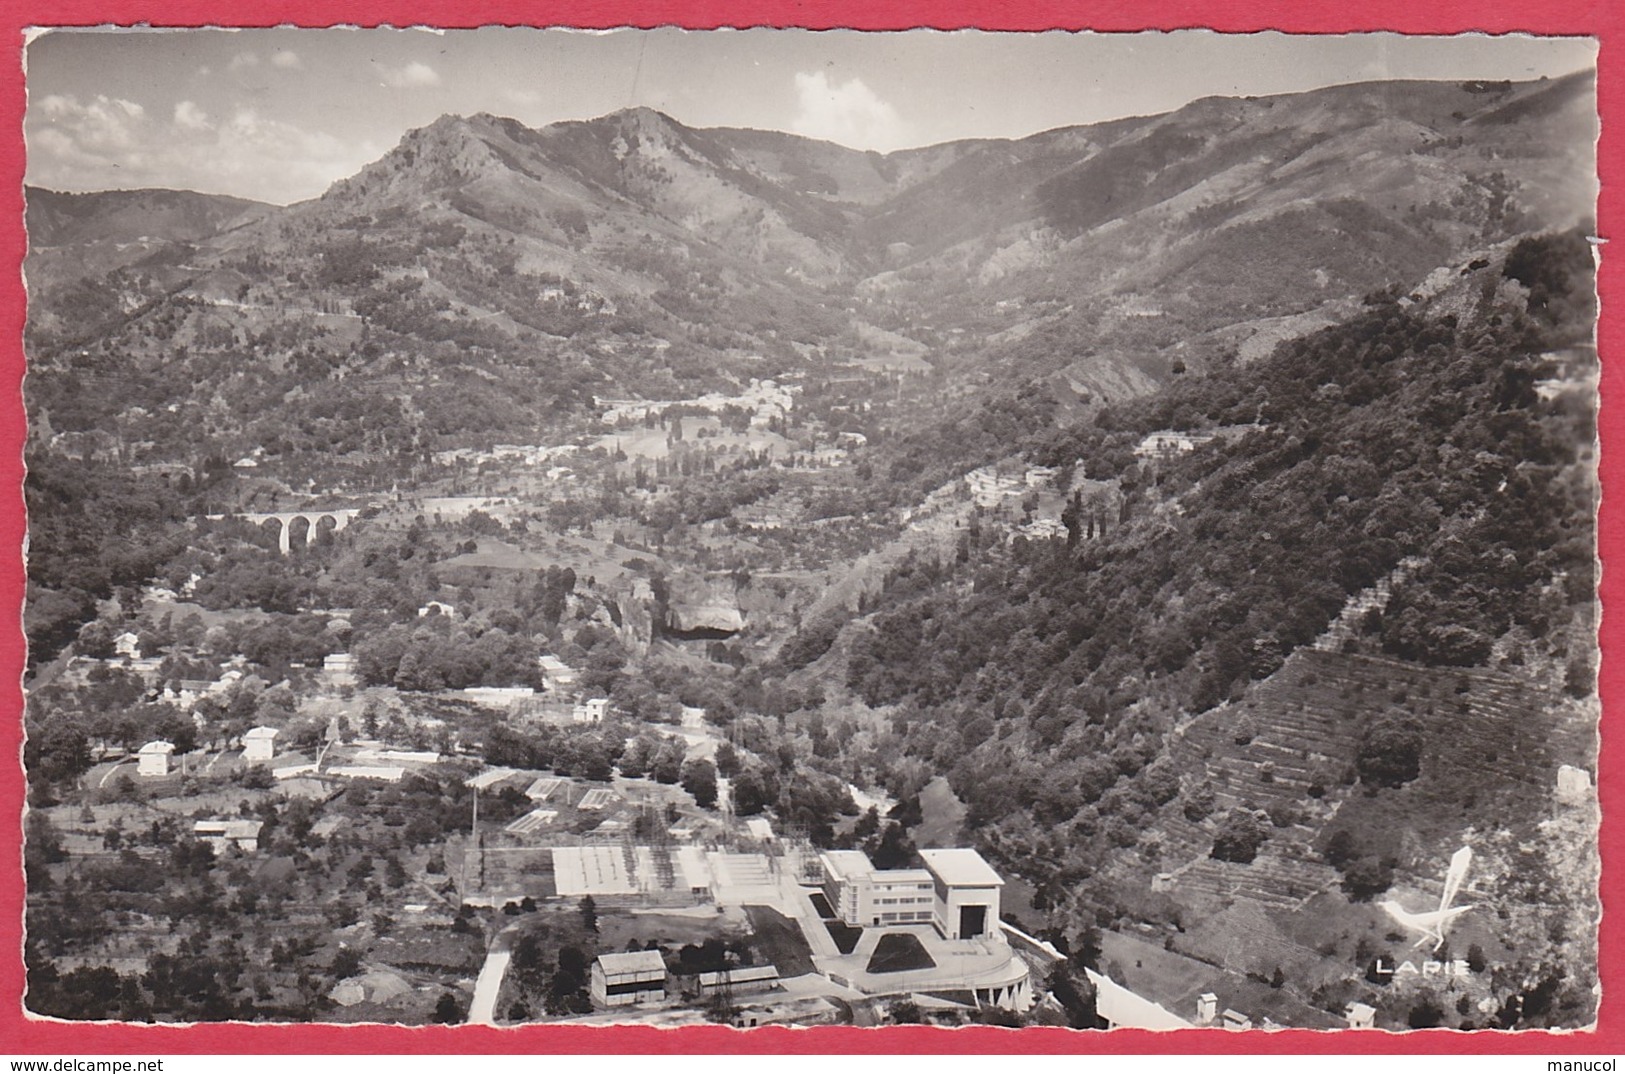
1493,744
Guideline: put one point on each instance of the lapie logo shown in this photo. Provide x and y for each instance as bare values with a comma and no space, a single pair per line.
1429,968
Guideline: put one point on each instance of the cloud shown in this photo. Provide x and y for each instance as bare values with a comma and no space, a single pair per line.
103,124
109,142
846,112
413,76
519,96
243,61
285,58
191,117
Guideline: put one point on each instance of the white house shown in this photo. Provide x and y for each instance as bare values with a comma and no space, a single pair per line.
153,758
1360,1016
259,744
593,710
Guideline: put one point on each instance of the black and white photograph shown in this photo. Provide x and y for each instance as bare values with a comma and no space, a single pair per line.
781,528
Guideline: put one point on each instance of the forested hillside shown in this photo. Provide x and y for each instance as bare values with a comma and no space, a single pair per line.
1047,675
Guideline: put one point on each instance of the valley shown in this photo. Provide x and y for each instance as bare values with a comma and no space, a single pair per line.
563,544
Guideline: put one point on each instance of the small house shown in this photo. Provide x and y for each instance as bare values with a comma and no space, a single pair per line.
259,744
153,758
593,710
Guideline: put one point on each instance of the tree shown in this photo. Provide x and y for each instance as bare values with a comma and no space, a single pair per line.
1365,877
347,963
667,765
1341,848
1075,993
589,917
753,790
1391,753
1426,1014
905,1012
448,1011
894,849
1240,835
699,778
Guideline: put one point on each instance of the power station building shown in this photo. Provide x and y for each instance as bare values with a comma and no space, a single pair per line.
957,891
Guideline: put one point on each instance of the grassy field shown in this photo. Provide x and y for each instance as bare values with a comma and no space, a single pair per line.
943,816
616,928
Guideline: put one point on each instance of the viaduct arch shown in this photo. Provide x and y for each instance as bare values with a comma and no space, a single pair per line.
341,516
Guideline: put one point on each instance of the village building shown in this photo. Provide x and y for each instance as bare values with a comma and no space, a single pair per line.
1168,443
1360,1016
501,697
558,675
593,710
437,607
384,756
378,772
223,835
259,744
153,758
628,978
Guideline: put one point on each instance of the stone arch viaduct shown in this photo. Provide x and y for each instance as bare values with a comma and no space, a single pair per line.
341,516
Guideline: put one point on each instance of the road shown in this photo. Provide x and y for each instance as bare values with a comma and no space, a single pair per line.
482,1012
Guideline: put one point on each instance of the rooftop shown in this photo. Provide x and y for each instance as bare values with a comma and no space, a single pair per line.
230,829
960,867
260,732
633,962
743,975
902,876
159,746
846,863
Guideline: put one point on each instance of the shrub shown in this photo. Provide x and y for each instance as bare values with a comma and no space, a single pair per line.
1366,877
1240,835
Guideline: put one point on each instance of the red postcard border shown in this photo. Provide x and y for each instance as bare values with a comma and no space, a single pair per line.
1602,19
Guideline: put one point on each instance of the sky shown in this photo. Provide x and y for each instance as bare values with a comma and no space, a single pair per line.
278,115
